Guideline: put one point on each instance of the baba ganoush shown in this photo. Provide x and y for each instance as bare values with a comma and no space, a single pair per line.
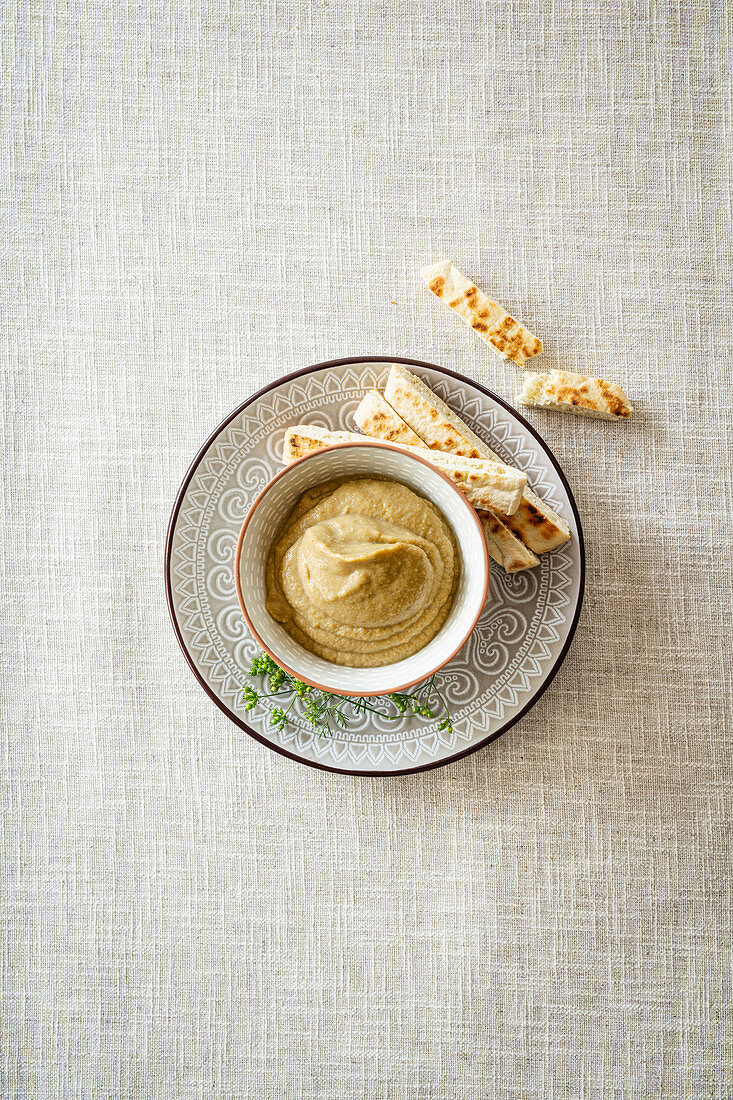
363,572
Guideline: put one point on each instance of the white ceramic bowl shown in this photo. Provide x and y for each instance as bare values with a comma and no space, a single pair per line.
272,506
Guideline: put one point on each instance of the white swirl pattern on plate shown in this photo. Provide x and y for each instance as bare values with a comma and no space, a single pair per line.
513,648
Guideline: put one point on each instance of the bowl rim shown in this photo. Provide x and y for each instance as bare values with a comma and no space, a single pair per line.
378,445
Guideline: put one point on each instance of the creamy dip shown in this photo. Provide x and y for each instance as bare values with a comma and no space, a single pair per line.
363,572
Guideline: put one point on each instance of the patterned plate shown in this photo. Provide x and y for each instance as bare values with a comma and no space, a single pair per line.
509,660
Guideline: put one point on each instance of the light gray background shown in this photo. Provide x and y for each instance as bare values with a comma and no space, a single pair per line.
196,198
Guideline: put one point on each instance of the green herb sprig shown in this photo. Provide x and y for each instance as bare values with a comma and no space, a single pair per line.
322,708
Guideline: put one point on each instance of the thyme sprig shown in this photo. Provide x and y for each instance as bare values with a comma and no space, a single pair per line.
322,708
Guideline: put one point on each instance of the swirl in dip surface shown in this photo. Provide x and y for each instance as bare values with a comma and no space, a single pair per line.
363,572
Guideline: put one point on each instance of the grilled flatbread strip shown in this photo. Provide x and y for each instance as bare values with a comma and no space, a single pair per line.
377,418
504,546
536,524
486,317
574,393
486,484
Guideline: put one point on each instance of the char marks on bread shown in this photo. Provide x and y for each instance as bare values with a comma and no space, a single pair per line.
574,393
537,525
486,483
486,317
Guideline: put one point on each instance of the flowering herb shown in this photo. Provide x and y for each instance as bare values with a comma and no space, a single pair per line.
322,708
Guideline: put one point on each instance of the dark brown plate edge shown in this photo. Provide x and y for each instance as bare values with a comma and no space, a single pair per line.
177,507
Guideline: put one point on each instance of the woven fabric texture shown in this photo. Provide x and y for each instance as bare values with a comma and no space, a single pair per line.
198,197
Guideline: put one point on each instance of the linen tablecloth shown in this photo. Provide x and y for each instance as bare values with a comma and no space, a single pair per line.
197,198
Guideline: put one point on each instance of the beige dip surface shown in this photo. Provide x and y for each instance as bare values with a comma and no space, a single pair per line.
363,572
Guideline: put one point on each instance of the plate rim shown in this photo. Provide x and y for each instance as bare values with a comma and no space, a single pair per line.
168,553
